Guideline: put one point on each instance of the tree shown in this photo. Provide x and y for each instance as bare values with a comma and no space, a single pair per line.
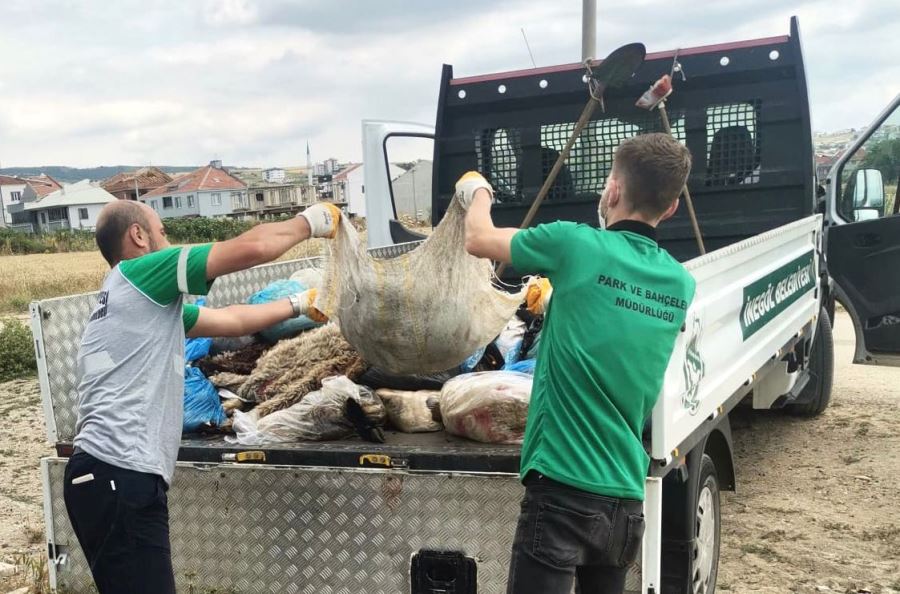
884,155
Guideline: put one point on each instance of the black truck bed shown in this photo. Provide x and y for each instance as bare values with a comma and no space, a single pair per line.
437,451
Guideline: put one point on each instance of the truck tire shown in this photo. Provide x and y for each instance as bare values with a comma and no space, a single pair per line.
705,554
815,396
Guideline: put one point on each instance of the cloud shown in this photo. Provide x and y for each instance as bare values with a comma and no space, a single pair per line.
230,12
250,81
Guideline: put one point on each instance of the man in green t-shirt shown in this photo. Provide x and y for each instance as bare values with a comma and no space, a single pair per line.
618,303
131,379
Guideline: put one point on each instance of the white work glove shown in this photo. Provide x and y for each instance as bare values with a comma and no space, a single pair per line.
303,306
468,184
323,218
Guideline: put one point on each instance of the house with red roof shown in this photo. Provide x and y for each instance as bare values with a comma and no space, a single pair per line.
38,187
35,189
72,206
206,192
130,185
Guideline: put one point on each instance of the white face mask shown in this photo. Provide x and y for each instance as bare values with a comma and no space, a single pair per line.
601,216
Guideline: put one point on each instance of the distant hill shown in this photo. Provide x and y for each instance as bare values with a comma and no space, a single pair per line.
74,174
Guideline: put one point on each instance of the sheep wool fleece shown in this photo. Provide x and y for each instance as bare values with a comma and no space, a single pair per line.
131,361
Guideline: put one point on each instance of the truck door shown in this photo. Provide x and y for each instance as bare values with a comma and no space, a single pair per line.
397,157
863,237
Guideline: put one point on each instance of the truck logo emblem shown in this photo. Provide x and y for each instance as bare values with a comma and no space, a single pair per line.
694,368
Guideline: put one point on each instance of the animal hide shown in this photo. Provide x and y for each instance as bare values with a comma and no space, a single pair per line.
241,361
411,412
229,381
295,367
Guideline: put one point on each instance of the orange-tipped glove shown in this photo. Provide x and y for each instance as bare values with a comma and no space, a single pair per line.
537,297
468,184
323,219
303,306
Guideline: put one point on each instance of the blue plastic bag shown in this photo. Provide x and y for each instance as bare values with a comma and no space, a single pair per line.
523,366
276,290
512,355
469,364
201,402
197,348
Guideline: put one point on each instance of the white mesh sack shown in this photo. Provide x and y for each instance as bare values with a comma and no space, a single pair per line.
420,312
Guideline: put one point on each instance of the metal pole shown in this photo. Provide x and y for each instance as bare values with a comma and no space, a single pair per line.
588,30
415,205
664,116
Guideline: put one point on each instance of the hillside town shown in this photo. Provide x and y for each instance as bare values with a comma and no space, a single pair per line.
42,204
830,145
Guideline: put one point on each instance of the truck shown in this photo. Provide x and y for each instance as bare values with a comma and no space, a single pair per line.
432,513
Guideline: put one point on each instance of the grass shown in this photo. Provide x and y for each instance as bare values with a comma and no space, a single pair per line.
16,351
32,571
42,276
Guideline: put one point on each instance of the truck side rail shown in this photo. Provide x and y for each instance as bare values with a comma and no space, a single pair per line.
753,298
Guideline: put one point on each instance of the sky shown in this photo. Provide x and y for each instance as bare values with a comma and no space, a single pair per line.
180,82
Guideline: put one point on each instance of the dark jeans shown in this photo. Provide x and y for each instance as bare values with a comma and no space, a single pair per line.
565,534
121,519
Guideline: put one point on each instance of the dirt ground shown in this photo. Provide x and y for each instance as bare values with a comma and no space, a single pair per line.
817,507
23,442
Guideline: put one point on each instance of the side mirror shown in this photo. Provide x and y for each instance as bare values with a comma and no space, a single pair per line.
868,195
869,189
820,191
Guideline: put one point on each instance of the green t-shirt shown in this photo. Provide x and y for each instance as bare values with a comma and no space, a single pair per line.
619,301
156,276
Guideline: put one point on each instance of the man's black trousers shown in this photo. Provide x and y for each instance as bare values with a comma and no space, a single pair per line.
121,519
566,535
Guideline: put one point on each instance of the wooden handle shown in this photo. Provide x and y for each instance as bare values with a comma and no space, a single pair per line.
586,114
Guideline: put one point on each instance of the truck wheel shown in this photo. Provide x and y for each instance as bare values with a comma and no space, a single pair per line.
816,395
705,555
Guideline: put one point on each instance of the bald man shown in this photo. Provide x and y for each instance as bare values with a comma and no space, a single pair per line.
131,379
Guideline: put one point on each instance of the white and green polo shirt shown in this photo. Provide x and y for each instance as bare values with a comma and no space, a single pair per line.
131,360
